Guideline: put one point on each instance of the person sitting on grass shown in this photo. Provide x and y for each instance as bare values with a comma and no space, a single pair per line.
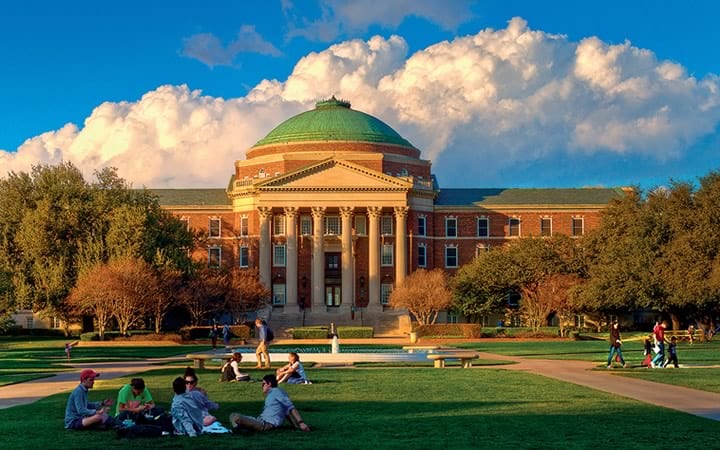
278,407
231,369
135,402
187,415
80,414
293,372
200,396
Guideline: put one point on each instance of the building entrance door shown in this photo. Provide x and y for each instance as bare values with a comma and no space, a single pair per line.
333,282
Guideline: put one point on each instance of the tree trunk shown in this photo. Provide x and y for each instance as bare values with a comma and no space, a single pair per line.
675,321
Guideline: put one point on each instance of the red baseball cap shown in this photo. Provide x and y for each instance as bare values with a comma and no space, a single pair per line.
88,373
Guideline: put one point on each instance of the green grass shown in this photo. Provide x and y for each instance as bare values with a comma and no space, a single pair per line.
394,408
703,379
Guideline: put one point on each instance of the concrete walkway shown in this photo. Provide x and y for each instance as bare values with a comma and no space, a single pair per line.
699,403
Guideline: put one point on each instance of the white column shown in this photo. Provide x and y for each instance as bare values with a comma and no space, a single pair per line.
318,257
346,256
291,275
400,244
265,247
374,255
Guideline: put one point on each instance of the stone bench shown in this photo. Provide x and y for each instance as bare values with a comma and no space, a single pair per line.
420,348
200,358
465,358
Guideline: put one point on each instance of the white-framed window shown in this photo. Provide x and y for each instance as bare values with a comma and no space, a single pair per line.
214,257
214,227
305,225
452,317
278,256
422,226
481,248
385,291
387,255
278,225
333,225
545,226
333,295
360,225
483,227
244,226
386,225
278,294
451,257
29,322
55,322
185,222
244,256
451,227
580,320
514,226
422,255
578,226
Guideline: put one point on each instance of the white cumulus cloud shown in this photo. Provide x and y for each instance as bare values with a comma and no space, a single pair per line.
498,99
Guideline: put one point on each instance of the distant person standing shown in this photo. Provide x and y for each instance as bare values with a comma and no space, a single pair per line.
615,344
226,335
214,334
262,348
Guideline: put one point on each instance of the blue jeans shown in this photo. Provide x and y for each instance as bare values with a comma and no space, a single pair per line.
613,351
658,359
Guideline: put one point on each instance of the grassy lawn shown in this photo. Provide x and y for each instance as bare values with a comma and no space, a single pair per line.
394,408
703,379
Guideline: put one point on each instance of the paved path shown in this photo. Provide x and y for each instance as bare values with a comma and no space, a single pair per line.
692,401
699,403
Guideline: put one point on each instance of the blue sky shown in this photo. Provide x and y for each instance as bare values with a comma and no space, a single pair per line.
495,93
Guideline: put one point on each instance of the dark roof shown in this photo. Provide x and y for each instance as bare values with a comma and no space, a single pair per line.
549,196
192,197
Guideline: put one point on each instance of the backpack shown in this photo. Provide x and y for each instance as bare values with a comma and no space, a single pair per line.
269,333
140,430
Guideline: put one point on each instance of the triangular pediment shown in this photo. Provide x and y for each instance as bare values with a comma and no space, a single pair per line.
334,174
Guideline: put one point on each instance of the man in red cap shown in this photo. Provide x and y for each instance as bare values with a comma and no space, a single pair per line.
81,414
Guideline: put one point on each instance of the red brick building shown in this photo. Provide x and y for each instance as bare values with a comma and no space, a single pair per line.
335,208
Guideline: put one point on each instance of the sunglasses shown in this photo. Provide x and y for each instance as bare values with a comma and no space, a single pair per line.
189,382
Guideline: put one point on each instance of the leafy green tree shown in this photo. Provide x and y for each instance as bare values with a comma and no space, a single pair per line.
481,287
54,225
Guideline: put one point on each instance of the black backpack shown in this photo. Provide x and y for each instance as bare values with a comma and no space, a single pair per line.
269,333
140,430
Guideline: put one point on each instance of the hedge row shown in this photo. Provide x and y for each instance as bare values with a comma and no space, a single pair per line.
194,333
466,330
323,332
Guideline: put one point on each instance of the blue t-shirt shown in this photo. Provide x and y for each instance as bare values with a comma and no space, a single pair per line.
277,407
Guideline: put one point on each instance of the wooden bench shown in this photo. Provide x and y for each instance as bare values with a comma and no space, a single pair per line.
200,358
681,335
420,348
465,358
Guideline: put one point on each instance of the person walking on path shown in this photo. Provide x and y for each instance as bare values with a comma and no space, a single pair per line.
659,333
226,335
80,414
672,353
278,407
261,350
615,344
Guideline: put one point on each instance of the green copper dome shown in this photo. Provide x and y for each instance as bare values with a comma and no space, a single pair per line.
333,120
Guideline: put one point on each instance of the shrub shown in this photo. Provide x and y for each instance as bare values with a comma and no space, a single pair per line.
90,336
194,333
149,336
466,330
318,332
355,332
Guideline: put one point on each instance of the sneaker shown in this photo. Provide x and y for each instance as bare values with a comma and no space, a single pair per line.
609,366
626,365
652,364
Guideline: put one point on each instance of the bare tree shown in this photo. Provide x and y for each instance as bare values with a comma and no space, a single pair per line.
424,293
204,294
548,296
245,292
